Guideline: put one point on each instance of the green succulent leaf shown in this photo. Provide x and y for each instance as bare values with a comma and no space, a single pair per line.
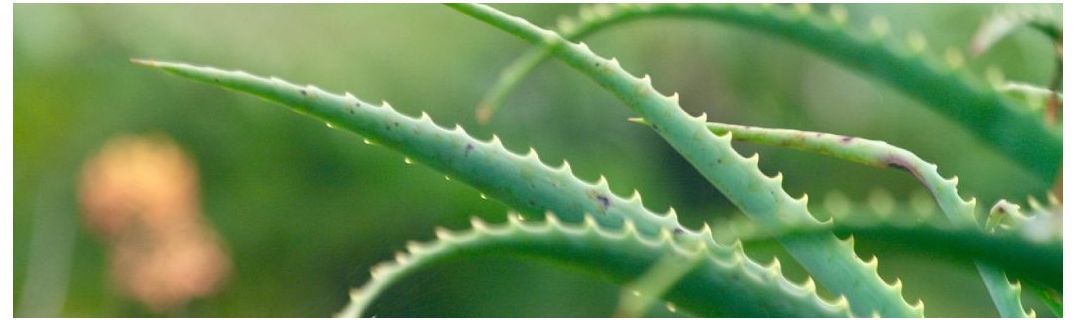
881,154
522,181
518,180
724,282
1005,22
830,261
584,224
945,86
1023,252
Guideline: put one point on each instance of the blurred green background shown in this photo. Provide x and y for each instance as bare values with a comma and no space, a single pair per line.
304,210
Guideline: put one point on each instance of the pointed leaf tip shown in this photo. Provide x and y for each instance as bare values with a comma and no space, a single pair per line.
143,62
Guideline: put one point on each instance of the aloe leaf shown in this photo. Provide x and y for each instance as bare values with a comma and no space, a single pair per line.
724,282
945,86
521,181
1005,22
830,261
1051,298
1037,98
1041,18
640,294
1007,299
1021,252
1005,295
863,151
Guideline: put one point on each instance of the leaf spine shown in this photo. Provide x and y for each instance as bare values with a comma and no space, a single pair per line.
496,141
702,117
850,243
842,301
565,167
379,270
603,10
839,14
754,160
564,24
954,59
706,232
602,182
809,285
873,263
880,26
775,267
802,8
1052,200
414,247
355,294
515,219
916,41
442,233
589,222
478,223
664,235
630,228
551,218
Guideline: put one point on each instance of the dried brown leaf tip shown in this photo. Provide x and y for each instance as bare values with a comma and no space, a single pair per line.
140,196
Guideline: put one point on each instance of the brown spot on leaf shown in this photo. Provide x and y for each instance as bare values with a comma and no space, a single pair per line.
898,166
604,201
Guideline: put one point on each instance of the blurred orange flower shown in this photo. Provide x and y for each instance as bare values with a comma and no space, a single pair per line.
140,194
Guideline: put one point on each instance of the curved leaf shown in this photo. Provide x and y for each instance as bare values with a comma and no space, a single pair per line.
972,103
836,266
723,283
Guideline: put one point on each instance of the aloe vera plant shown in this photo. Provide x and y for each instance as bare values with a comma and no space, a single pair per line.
584,224
943,84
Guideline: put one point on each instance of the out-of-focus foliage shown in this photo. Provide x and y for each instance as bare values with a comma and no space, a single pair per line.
303,210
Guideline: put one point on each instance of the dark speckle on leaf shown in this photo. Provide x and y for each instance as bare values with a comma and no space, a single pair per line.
303,92
468,148
898,166
846,139
605,201
678,231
